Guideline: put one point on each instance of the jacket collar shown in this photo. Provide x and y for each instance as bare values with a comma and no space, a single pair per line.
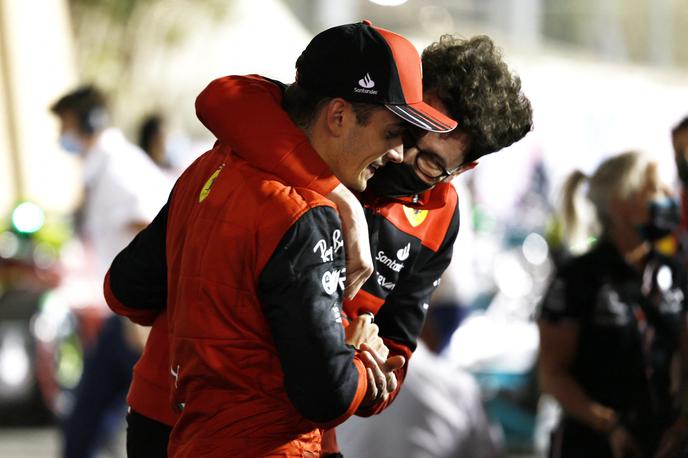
429,200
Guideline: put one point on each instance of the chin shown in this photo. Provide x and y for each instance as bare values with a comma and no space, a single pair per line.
358,185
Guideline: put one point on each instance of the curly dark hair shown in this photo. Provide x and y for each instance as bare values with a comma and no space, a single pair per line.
476,86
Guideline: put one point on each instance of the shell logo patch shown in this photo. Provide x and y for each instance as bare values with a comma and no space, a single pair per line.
415,216
209,184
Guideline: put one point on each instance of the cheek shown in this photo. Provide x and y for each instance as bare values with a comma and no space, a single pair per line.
372,150
410,155
640,214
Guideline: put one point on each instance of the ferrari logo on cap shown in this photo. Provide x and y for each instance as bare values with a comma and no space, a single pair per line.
415,216
209,184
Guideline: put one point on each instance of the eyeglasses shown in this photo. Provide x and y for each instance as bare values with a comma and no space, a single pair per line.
427,162
430,167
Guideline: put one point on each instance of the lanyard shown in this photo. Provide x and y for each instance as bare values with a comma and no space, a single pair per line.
642,309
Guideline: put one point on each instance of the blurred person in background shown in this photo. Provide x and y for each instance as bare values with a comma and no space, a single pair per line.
438,414
410,207
151,138
613,321
123,190
679,139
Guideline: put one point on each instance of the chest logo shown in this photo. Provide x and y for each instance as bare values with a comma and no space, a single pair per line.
389,262
610,310
328,252
403,253
331,280
415,216
209,184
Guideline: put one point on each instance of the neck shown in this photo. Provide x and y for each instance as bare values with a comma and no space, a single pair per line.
89,141
629,244
322,145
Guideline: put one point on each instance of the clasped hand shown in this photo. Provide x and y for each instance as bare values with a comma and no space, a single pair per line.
362,334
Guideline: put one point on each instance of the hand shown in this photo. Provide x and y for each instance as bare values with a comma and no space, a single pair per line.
622,444
381,378
673,439
359,262
362,331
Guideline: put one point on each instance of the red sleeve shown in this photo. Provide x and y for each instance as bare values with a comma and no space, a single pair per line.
245,112
394,349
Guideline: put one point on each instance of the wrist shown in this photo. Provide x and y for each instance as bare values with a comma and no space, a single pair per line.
342,197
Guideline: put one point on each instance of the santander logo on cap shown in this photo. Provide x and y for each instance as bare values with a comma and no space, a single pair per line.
366,84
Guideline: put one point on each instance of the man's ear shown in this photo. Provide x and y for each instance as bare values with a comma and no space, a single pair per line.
463,168
337,113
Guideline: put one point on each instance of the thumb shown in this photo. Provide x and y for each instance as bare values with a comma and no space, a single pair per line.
394,363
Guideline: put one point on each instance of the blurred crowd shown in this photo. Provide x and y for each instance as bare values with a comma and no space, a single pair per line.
560,331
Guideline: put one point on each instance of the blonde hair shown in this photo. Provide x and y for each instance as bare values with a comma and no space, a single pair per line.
586,213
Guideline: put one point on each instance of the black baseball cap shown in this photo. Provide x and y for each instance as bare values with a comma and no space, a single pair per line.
362,63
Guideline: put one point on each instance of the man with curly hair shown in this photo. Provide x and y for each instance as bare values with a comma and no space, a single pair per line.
410,207
468,79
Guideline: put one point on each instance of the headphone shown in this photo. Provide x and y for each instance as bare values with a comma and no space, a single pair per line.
93,120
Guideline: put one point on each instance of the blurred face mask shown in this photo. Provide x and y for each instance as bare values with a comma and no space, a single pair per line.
664,219
397,180
70,142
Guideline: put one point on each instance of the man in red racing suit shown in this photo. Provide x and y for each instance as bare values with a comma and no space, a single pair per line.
411,240
254,268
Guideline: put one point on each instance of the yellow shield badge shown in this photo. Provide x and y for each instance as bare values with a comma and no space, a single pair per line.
415,216
209,184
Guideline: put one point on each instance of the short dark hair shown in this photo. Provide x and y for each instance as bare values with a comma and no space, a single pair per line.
88,104
680,126
303,106
471,79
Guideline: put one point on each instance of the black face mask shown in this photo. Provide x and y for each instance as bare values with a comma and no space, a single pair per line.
396,180
664,219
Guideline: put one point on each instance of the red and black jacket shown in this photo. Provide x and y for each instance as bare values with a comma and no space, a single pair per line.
257,350
411,241
419,229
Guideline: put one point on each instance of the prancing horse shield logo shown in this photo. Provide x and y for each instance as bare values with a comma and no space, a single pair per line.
209,184
415,216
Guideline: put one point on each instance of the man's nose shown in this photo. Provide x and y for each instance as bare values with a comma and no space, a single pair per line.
396,154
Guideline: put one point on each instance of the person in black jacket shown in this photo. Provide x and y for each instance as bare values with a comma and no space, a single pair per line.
613,321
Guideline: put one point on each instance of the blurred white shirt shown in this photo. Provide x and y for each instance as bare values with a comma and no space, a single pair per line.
437,414
460,284
123,188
